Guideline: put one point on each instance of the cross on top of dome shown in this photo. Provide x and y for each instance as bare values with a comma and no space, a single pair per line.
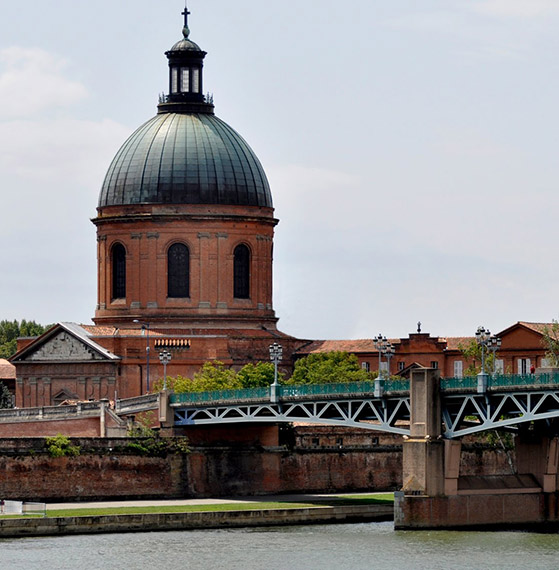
186,29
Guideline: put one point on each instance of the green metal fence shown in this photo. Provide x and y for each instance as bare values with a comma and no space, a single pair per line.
286,391
464,383
355,388
501,381
220,395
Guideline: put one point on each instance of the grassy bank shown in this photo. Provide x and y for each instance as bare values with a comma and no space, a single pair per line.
332,501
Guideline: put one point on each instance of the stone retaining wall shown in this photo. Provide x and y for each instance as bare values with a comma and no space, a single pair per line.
193,520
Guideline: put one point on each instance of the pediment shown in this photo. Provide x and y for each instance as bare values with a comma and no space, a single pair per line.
521,336
63,347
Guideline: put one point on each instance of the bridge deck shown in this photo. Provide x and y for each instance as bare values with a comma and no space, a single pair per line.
382,405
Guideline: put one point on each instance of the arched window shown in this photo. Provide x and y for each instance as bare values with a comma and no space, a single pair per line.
178,271
118,262
242,272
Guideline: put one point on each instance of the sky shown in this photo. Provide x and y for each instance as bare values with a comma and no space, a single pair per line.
411,149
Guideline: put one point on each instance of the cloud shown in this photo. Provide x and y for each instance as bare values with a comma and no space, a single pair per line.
32,80
53,151
51,171
524,9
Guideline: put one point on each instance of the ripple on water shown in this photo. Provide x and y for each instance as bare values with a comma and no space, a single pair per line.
369,546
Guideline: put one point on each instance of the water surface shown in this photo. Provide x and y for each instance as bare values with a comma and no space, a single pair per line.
330,547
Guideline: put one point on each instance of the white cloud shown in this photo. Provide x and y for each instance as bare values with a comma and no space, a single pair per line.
516,8
32,80
51,171
57,151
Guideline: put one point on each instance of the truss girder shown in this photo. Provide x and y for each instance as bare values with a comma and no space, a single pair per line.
379,414
464,414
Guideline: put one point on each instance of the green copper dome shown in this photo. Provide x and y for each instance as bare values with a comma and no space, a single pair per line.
185,158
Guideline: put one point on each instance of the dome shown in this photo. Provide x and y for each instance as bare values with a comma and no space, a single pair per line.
185,158
185,45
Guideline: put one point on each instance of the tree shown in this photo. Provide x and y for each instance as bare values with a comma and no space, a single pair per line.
328,367
550,340
472,356
216,376
11,330
5,397
257,375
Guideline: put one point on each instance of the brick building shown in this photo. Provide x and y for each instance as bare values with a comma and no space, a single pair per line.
185,226
521,348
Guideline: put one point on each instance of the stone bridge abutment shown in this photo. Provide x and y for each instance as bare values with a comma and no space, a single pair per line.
435,495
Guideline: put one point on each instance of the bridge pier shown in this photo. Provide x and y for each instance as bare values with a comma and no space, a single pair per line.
537,454
435,496
423,450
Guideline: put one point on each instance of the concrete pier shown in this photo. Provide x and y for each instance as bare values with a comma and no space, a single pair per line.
434,495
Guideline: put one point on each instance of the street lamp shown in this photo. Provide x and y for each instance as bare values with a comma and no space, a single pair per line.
386,348
145,326
276,353
165,358
389,353
483,338
494,346
380,344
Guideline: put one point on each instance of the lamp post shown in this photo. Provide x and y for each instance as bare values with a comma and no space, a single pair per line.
145,326
165,358
389,353
276,353
385,348
483,338
494,346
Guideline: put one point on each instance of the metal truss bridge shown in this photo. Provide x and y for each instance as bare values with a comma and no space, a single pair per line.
383,405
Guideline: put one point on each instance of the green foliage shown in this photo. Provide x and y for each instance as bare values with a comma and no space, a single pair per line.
156,446
143,425
5,397
214,376
149,443
11,330
313,369
550,341
328,367
61,446
472,356
504,440
178,384
259,375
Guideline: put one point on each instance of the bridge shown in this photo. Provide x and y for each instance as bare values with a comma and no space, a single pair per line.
431,415
382,405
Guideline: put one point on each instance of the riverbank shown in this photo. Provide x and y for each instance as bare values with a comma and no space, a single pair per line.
96,524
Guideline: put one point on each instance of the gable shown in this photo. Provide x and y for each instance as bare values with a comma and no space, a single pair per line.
64,395
62,347
518,337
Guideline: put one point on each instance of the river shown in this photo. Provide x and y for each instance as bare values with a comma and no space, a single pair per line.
330,547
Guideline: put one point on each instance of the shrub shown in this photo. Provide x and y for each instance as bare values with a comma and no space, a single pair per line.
61,446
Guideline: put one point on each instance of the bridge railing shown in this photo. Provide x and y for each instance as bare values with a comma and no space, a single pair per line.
288,391
501,381
130,405
220,395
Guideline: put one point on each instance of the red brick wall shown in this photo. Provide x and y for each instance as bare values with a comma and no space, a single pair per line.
86,427
211,233
210,471
89,477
